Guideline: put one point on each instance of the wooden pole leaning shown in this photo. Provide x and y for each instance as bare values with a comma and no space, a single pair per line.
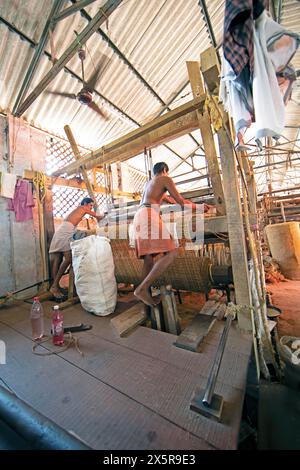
83,171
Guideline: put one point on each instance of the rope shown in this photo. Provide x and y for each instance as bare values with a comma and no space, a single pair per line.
8,296
70,341
214,113
39,181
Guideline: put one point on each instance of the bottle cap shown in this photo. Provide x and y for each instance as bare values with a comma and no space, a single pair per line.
56,307
35,299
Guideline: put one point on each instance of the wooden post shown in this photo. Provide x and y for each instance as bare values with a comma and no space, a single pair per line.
198,89
209,62
248,170
170,314
82,170
48,223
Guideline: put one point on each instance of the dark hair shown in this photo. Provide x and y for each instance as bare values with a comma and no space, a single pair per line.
160,167
86,200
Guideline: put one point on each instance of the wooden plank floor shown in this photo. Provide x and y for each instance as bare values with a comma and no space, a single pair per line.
125,393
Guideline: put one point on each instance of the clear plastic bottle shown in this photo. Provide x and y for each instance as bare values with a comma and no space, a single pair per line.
57,326
37,319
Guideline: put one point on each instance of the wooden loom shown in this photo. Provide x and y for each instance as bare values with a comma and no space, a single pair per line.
184,119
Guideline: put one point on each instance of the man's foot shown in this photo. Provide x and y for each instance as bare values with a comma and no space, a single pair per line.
144,296
56,292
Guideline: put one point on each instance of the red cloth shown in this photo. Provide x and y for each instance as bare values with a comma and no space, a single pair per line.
23,201
151,235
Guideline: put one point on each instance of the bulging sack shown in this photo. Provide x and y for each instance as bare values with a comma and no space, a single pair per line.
94,275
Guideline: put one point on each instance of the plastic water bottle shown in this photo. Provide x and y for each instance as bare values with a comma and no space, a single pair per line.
57,326
37,319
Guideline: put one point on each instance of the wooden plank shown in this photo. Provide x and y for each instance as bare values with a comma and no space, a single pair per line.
232,199
73,183
48,216
149,342
120,422
235,230
113,365
250,178
198,89
77,156
162,129
210,307
128,320
194,333
211,69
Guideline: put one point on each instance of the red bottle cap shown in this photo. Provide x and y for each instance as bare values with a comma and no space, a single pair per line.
35,299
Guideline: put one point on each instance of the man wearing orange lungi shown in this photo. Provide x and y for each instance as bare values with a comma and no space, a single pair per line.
151,235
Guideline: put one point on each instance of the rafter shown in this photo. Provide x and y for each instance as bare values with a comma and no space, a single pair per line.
73,9
37,54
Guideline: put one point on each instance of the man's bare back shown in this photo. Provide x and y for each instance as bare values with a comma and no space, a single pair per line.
77,214
156,189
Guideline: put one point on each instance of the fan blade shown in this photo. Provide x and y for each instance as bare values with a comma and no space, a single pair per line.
65,95
96,108
91,83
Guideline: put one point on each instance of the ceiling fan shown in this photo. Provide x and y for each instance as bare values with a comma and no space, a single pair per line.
85,95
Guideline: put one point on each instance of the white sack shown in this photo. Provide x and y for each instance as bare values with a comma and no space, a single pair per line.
94,274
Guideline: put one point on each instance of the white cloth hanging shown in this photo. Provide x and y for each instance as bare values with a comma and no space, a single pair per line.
260,102
7,185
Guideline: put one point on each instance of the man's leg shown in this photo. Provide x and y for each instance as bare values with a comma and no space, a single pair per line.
64,265
55,260
148,265
142,291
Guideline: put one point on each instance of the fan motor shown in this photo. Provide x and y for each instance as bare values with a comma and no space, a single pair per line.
85,97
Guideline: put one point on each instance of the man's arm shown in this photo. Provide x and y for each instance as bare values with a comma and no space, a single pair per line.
176,196
92,213
170,186
168,199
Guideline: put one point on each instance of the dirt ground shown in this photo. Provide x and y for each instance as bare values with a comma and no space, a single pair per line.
286,296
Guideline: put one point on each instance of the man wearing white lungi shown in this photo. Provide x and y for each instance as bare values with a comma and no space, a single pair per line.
60,251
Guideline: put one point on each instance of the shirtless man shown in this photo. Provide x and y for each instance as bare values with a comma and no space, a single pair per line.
148,218
59,251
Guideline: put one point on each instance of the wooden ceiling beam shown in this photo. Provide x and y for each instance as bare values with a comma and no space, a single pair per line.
171,125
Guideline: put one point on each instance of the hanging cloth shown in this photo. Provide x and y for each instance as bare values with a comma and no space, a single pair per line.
7,184
238,32
262,99
22,202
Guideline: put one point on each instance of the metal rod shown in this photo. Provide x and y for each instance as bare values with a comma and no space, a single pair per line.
69,11
279,10
197,178
36,57
24,288
210,387
282,212
40,432
281,190
207,21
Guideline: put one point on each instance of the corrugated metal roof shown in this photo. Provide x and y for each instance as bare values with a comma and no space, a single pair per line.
147,43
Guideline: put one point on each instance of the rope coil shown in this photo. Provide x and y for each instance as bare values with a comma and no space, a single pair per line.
70,341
